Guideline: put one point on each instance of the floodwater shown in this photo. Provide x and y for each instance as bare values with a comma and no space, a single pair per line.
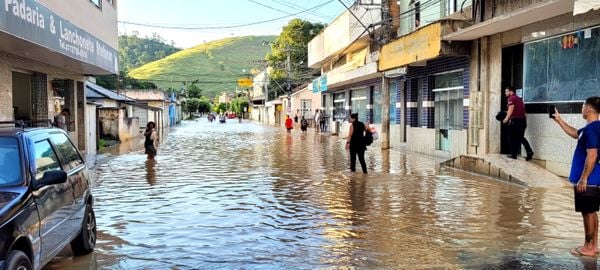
248,196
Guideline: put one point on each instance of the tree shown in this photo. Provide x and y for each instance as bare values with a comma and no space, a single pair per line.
222,107
194,90
204,105
294,39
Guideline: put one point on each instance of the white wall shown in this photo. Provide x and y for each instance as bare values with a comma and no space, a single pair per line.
550,143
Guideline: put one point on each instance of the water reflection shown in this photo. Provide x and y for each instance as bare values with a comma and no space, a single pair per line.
151,171
250,196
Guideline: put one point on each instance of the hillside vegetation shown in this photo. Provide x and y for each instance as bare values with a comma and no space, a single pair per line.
216,65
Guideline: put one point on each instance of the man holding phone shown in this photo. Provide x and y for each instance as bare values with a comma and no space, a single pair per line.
517,123
585,173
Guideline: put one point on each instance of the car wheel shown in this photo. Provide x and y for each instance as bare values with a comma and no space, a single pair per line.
85,242
17,260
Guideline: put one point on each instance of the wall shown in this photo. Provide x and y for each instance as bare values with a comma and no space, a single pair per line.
421,140
340,33
91,141
306,94
101,23
114,125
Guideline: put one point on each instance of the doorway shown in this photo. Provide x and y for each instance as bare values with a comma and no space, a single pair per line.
448,93
512,75
21,96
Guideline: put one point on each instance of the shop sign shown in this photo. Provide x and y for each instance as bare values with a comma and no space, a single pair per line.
423,44
31,21
245,82
319,84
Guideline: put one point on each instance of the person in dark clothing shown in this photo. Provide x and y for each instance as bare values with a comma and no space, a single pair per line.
517,123
151,140
356,144
303,124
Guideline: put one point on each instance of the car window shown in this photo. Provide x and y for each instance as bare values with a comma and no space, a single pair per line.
10,162
45,159
66,150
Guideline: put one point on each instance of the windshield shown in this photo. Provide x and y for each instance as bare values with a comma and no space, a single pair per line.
10,162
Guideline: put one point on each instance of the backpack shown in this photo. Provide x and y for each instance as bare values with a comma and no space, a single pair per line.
368,139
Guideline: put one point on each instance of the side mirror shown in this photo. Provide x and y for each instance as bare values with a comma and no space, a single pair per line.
52,178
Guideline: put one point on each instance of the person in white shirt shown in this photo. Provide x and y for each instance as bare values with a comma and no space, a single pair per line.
317,120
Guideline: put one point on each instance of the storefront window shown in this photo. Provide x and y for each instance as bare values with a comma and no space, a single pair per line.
393,100
565,68
339,103
377,109
448,107
359,103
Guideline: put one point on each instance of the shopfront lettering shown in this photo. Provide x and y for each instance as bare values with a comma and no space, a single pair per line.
32,21
24,12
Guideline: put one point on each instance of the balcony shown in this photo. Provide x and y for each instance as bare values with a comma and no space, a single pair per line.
345,32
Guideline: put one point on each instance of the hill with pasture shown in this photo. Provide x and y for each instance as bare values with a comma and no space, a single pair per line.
215,65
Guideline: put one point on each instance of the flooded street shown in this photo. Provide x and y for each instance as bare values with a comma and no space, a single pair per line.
246,196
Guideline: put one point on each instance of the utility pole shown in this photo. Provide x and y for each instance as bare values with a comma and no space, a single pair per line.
289,85
385,97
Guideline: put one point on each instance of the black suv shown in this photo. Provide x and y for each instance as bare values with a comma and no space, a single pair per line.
45,198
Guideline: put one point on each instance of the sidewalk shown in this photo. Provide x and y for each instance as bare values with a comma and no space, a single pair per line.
498,166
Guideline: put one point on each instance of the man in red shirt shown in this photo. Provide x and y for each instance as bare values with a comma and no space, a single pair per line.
517,123
289,124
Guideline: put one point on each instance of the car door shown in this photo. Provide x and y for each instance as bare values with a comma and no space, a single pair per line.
54,202
77,176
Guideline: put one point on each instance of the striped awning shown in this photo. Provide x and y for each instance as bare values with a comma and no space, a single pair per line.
583,6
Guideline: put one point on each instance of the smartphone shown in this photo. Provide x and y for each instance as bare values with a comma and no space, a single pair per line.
551,111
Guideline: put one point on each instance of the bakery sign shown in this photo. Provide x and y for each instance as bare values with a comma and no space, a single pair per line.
31,21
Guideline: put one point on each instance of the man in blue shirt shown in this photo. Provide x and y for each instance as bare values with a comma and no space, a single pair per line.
585,173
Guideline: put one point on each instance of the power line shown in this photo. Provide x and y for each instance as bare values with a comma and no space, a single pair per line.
224,27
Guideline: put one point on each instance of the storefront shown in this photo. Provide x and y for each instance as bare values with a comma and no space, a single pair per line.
45,60
431,95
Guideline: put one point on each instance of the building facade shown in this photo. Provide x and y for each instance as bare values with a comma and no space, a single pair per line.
428,79
350,81
550,52
47,51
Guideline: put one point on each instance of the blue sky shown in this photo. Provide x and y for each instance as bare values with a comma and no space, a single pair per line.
218,13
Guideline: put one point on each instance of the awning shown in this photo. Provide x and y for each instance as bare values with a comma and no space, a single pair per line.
528,15
583,6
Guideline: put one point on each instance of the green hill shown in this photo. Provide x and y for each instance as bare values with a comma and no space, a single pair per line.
217,65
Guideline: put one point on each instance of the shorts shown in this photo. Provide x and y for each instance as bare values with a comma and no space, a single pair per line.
588,201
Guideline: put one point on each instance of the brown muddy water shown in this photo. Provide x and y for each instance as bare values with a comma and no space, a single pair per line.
247,196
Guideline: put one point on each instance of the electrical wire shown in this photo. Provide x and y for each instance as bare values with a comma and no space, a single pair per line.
224,27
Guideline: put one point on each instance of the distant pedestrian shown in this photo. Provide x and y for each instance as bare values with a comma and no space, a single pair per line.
303,124
585,173
517,123
62,120
317,120
151,141
296,118
355,142
289,124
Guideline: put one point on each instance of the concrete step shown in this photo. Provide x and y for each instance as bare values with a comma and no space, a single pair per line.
503,168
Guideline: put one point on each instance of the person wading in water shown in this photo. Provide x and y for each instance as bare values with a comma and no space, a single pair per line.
356,143
151,140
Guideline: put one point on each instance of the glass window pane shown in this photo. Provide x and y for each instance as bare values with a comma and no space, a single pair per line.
359,103
45,159
588,58
377,108
10,162
536,72
393,100
339,103
67,151
454,79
